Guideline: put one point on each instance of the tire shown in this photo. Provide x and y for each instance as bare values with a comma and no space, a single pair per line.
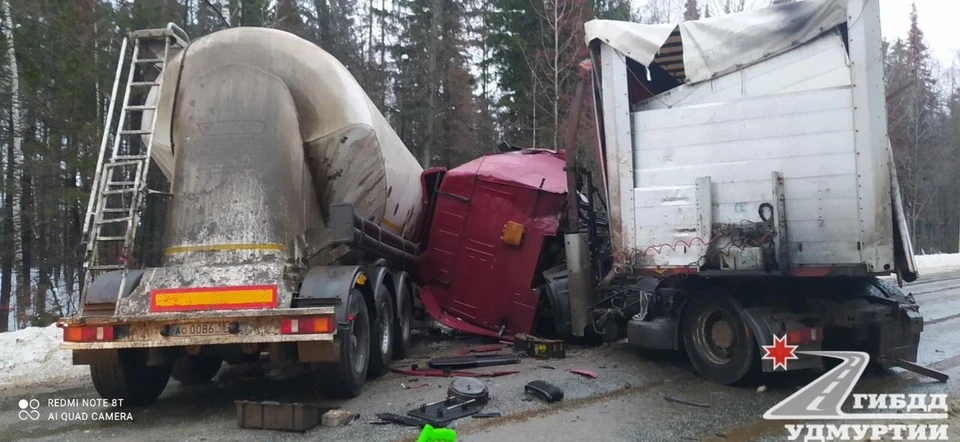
384,332
130,379
401,341
718,342
344,379
193,370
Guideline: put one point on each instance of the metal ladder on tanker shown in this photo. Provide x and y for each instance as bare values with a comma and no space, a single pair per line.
117,196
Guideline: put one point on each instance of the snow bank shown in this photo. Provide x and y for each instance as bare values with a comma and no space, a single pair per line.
938,263
32,357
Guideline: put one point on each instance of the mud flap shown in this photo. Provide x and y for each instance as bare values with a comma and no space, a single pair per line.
767,322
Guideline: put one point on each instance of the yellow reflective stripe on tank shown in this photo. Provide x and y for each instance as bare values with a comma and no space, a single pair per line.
176,250
390,225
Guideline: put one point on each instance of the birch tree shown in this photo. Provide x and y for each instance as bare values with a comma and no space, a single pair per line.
16,162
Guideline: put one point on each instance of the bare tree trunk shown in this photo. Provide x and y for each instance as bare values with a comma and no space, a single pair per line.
6,245
533,76
556,73
436,14
16,162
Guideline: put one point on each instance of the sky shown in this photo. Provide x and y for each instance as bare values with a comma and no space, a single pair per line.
939,20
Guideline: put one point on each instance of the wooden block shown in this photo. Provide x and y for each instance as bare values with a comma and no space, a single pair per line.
336,418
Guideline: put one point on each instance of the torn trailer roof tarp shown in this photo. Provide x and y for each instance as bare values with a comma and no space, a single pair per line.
717,45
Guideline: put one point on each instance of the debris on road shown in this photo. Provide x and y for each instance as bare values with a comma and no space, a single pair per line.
544,390
441,413
761,389
336,418
412,387
489,415
586,373
390,418
437,373
538,347
921,370
473,361
483,349
270,415
430,434
465,389
686,402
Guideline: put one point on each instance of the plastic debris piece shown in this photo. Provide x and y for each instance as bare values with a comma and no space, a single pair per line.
587,373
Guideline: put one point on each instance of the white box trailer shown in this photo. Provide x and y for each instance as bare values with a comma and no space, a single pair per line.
747,168
782,108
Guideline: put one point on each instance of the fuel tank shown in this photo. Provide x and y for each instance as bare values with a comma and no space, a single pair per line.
260,132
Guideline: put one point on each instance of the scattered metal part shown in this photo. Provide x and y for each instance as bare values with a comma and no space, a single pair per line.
446,373
919,369
390,418
465,389
685,402
473,361
587,373
441,413
487,415
483,349
412,387
548,367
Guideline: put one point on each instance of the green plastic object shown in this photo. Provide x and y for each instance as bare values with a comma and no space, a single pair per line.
430,434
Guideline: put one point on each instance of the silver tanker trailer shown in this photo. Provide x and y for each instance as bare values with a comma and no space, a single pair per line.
292,211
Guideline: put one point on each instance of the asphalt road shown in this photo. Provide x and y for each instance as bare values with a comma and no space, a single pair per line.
637,396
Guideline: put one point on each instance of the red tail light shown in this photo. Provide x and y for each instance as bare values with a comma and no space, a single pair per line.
306,326
805,335
88,333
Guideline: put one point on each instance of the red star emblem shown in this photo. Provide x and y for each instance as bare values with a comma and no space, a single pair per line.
780,352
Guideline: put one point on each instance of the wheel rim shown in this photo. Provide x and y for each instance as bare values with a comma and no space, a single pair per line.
716,337
385,331
357,337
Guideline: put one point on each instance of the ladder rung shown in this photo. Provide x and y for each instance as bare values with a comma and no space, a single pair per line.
129,157
144,83
135,132
112,238
119,191
121,183
140,108
114,220
107,267
118,161
115,210
149,60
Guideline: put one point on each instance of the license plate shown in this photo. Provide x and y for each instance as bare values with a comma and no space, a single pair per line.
213,328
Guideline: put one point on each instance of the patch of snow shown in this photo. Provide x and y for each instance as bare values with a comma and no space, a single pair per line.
937,263
32,357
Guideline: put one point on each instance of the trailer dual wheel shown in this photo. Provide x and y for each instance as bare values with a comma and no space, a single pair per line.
717,340
401,342
345,378
381,353
130,378
193,370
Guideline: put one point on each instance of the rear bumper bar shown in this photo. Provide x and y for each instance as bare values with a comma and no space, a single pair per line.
251,327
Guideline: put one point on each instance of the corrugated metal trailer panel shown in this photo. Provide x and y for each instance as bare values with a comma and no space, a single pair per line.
807,123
